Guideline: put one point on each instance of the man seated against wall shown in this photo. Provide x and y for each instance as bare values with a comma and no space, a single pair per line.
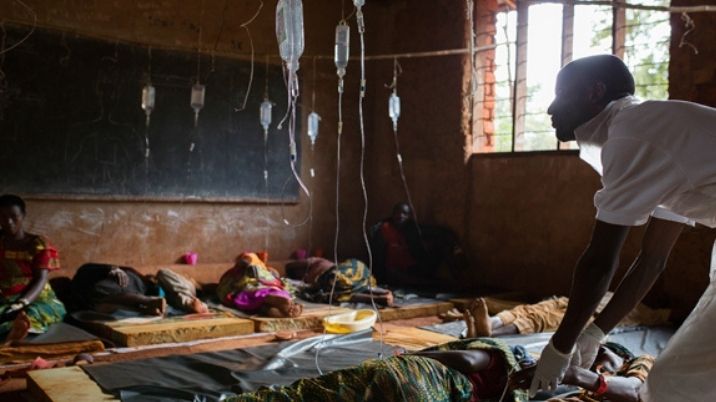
106,288
353,282
544,316
406,254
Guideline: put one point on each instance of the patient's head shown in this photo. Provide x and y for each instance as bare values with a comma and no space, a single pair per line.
401,214
611,357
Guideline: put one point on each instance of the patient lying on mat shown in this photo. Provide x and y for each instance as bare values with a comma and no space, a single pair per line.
544,316
353,282
107,288
481,369
255,288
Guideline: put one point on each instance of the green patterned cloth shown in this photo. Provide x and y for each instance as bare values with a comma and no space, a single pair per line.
399,378
351,276
491,344
45,310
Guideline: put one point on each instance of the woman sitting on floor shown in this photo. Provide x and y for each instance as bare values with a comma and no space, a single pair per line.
353,282
470,370
255,288
27,302
107,288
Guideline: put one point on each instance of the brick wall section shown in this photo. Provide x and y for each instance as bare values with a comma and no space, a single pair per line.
485,20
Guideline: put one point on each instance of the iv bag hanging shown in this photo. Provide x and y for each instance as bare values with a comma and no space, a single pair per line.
342,48
148,100
265,114
289,31
313,120
394,109
197,100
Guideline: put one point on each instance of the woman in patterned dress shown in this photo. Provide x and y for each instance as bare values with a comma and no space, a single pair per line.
27,302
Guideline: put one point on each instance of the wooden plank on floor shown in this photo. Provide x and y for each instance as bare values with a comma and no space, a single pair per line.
311,318
67,384
415,310
410,338
176,329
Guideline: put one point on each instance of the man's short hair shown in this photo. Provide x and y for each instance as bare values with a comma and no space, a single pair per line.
399,206
11,200
605,68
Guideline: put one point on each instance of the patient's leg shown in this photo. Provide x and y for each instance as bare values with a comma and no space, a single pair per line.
483,325
144,304
281,307
19,330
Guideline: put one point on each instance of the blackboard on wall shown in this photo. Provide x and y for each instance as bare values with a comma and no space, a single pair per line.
71,123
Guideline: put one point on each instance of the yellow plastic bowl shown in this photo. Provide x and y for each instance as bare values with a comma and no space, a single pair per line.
352,321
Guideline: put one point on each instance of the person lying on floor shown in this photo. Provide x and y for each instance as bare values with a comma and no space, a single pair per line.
353,282
27,302
616,376
544,316
410,255
106,288
255,288
469,370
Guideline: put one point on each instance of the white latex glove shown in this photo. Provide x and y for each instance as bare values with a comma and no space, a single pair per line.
587,346
550,369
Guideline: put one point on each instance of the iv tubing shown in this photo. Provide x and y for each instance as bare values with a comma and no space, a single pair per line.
361,98
338,220
245,25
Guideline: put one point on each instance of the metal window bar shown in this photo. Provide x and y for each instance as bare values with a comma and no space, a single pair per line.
518,94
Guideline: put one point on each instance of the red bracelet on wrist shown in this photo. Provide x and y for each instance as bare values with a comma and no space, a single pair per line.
602,387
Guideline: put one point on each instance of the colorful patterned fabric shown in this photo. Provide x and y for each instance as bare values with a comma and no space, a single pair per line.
16,274
244,281
351,277
539,317
396,379
45,310
17,264
491,345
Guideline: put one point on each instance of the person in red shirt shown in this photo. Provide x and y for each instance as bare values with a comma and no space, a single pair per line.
411,255
27,302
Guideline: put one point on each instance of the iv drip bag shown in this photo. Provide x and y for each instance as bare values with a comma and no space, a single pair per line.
342,48
289,31
265,114
394,109
359,3
148,100
313,120
197,100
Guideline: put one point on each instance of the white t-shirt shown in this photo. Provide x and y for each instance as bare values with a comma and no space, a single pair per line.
656,158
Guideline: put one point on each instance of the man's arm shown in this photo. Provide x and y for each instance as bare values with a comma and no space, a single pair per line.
659,239
590,282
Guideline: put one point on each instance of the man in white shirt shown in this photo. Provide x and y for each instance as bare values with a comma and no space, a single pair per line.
658,165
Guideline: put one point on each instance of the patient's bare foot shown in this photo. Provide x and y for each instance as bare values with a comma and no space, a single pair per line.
19,330
273,312
197,306
389,299
294,310
470,323
483,326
